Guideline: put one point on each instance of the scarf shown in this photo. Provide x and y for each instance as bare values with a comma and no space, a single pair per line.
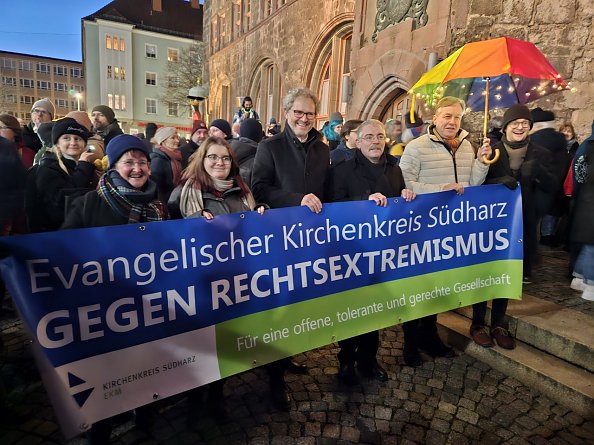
570,143
175,158
453,143
191,203
516,152
129,202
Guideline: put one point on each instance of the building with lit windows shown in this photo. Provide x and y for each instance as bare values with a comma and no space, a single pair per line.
361,57
126,49
26,78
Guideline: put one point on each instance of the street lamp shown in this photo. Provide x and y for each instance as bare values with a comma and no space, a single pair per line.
196,95
78,96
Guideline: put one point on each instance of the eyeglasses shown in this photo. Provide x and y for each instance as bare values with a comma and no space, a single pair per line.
373,137
516,124
130,163
217,158
299,114
39,111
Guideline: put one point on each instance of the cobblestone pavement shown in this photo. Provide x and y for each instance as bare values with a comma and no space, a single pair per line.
446,401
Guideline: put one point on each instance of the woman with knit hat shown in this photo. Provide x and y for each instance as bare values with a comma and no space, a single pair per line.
125,195
64,173
529,164
166,167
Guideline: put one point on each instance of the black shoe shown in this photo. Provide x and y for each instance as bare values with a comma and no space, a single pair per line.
436,348
374,372
411,356
347,374
279,395
295,368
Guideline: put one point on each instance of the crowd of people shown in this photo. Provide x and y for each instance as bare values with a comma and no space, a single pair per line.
53,178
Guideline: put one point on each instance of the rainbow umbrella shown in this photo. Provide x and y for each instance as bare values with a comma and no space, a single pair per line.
503,71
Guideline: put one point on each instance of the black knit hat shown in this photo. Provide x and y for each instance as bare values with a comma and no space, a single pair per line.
251,129
68,125
106,111
515,112
222,125
540,115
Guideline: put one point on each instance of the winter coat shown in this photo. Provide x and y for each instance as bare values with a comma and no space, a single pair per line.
355,179
285,169
30,138
582,218
162,174
245,153
428,164
229,202
91,210
51,190
187,150
341,153
110,132
12,184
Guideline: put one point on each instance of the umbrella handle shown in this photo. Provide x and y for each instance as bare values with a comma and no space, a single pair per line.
488,161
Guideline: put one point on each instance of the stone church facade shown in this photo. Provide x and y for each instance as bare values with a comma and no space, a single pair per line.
361,57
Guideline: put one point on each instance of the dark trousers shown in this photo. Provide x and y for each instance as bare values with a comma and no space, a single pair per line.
420,331
498,309
361,349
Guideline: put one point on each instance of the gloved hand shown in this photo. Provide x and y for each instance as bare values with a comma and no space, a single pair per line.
509,181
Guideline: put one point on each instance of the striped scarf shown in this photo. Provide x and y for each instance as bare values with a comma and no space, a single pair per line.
129,202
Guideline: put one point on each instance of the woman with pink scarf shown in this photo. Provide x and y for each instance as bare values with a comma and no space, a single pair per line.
166,161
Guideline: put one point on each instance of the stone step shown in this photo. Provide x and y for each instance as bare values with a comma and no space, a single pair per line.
563,382
559,331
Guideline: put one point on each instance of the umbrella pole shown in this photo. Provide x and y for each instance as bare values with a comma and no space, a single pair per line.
486,119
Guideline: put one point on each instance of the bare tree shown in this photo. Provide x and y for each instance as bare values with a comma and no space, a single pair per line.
183,74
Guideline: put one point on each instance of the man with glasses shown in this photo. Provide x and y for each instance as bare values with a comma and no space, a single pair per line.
292,169
42,111
371,175
440,160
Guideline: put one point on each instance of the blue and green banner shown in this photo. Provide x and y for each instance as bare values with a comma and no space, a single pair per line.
125,315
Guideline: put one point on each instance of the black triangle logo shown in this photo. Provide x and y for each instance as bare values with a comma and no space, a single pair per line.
81,397
74,380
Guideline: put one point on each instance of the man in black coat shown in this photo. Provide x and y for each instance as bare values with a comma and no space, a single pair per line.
244,148
105,123
371,174
42,111
199,134
292,169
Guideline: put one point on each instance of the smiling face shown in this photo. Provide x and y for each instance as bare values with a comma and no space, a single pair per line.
301,116
172,142
567,132
217,162
447,121
71,145
134,168
517,130
372,141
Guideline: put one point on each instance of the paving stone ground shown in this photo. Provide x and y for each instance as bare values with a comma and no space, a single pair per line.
445,401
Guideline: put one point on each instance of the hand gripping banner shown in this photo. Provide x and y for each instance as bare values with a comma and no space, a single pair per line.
125,315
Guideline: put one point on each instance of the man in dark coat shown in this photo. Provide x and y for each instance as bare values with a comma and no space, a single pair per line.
42,111
370,174
244,148
292,169
105,123
199,134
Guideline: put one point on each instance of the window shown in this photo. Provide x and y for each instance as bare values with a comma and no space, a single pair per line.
122,73
110,100
116,44
214,41
248,15
27,83
116,102
108,41
109,71
7,63
223,28
27,100
122,45
172,109
11,81
172,55
43,68
123,100
26,65
116,72
150,78
77,88
172,81
76,72
267,8
60,70
150,51
58,86
151,106
62,103
10,98
44,85
236,17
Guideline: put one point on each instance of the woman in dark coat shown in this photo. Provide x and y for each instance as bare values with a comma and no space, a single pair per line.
529,164
63,174
125,195
166,160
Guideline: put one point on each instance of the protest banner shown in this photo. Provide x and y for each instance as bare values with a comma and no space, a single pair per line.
125,315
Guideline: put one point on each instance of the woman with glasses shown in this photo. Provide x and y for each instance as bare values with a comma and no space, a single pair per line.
125,195
211,185
529,164
166,160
